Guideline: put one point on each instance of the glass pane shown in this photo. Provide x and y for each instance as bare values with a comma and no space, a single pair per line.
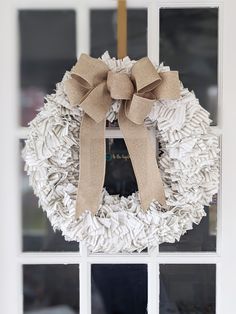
189,43
201,238
38,234
51,289
119,289
187,289
119,177
103,32
47,50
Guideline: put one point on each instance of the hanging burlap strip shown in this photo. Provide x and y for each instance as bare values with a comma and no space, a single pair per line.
93,86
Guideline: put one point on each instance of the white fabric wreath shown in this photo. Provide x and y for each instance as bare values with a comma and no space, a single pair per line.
189,166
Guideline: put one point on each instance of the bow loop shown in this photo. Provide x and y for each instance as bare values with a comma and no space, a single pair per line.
169,87
145,75
89,71
138,108
96,102
141,103
88,87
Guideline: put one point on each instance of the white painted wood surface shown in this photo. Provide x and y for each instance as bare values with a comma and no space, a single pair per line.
11,257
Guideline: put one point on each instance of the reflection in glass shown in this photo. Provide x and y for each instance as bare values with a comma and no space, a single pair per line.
51,289
189,44
119,289
201,238
186,289
103,32
47,50
120,178
38,234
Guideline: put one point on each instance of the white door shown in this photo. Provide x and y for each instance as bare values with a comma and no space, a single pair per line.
40,273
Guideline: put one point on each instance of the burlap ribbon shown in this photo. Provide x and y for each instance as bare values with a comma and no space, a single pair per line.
92,87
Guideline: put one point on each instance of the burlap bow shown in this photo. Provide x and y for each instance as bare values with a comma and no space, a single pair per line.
92,87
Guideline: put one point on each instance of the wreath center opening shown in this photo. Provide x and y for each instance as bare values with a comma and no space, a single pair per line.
119,177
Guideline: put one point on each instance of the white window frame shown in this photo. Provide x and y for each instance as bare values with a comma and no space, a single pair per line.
12,257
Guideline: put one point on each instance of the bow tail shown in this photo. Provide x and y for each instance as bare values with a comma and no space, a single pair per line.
143,157
92,165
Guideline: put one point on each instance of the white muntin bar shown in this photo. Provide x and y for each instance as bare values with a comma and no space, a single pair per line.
11,249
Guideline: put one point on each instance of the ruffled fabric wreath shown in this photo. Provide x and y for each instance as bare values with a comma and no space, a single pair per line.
189,165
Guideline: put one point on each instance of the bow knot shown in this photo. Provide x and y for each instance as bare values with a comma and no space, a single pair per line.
120,85
93,86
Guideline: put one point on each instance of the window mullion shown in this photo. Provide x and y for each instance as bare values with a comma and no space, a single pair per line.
153,283
85,281
153,32
82,28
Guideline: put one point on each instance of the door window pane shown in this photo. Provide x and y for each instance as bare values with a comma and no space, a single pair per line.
103,32
186,289
47,50
189,44
37,232
51,289
201,238
119,178
119,289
